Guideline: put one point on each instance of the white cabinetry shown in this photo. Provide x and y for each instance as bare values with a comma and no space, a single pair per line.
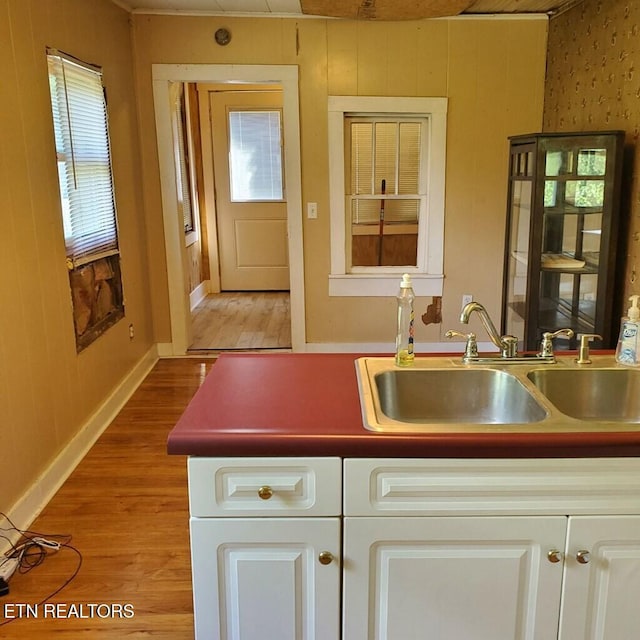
601,588
439,549
275,574
491,549
444,578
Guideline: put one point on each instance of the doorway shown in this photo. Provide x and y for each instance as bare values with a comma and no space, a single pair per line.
239,128
286,76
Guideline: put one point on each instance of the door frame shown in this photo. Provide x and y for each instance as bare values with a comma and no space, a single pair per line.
163,75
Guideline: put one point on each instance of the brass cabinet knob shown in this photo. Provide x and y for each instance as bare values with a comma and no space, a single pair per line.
325,557
554,556
265,492
583,556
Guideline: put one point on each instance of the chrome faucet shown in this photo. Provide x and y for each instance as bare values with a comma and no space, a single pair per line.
508,345
546,346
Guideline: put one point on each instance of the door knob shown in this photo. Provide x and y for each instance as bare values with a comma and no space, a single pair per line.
554,556
325,557
583,556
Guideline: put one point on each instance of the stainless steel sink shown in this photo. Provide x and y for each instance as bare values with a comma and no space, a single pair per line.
483,396
606,395
441,397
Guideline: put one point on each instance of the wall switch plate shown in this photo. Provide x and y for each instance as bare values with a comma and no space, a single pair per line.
466,299
312,210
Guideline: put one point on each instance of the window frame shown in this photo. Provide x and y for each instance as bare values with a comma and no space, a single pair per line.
427,276
87,196
183,151
419,195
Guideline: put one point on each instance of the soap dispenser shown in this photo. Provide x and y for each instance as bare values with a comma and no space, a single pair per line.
627,349
404,334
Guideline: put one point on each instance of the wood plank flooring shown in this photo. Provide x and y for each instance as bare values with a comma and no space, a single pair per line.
243,321
126,508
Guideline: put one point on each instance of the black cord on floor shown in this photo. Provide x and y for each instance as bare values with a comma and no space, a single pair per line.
32,549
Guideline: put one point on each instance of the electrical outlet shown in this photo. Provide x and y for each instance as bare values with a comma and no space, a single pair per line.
466,299
131,332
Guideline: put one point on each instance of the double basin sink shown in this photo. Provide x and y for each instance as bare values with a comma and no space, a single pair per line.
443,395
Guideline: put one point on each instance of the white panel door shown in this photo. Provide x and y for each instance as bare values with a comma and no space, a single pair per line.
601,599
452,578
252,230
261,579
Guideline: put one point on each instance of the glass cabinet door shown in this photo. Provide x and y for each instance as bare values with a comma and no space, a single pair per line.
561,239
520,200
573,202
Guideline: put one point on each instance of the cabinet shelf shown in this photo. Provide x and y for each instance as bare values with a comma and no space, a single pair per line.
572,272
560,260
571,210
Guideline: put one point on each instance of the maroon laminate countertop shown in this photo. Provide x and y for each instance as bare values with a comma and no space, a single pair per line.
308,405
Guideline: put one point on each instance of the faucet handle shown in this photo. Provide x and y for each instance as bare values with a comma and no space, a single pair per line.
471,350
546,348
509,348
584,358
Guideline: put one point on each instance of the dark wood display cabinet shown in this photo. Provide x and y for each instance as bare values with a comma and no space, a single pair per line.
561,238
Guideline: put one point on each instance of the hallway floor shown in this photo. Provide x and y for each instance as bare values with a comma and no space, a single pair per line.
242,321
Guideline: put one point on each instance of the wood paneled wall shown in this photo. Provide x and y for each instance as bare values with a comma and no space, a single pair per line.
491,70
47,391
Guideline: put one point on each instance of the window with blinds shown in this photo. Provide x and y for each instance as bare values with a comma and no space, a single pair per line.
255,156
383,188
183,176
86,192
376,236
84,162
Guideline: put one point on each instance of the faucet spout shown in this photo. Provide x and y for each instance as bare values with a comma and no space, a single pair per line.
506,344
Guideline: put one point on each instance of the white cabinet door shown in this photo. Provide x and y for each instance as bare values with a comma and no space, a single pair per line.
445,578
601,594
260,579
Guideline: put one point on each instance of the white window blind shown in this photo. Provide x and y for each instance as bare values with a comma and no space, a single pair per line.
384,150
182,168
255,155
84,159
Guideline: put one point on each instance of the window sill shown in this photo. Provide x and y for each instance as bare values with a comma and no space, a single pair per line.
191,237
383,285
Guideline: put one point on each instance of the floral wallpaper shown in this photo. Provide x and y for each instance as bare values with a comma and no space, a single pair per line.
593,84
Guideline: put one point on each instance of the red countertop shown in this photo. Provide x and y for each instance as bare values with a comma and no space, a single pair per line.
308,405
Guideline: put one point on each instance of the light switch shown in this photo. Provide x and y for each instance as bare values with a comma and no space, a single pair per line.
312,210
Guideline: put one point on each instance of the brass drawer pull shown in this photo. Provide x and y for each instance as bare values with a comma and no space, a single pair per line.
583,556
554,556
265,492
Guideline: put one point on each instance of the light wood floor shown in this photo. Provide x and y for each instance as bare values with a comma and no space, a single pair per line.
251,320
126,508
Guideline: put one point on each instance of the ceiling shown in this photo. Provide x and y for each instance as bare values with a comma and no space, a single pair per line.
298,8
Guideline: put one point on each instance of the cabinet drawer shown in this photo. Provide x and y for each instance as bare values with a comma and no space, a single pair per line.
491,486
265,486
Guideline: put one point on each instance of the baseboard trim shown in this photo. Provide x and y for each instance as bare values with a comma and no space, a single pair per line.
165,350
199,294
27,508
